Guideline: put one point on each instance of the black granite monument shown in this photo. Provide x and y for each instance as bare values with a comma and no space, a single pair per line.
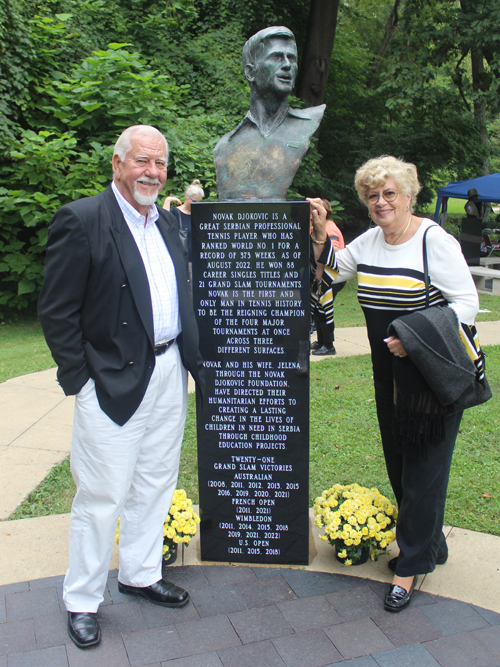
251,297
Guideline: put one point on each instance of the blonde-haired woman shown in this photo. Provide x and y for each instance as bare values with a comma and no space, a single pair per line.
182,212
194,192
388,262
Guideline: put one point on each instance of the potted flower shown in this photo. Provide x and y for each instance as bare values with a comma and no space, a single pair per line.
358,522
179,527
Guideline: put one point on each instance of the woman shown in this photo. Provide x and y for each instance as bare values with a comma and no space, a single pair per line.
194,192
322,308
388,263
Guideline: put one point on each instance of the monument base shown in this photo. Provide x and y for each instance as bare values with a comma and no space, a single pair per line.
251,298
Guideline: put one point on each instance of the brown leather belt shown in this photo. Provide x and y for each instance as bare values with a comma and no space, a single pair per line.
161,348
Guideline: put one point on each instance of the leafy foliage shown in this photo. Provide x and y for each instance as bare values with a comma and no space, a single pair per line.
412,107
74,73
46,172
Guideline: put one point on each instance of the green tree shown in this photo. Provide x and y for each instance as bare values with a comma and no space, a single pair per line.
459,42
416,78
393,90
104,94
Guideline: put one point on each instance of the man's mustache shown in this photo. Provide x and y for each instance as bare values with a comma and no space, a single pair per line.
148,181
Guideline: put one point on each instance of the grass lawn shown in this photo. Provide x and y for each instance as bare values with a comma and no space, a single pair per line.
455,206
345,448
345,442
23,349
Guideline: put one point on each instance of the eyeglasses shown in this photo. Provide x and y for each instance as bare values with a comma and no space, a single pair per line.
389,196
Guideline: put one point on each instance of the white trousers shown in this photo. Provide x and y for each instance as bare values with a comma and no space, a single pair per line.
127,471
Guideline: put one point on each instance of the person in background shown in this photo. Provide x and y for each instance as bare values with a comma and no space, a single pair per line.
418,435
115,311
322,308
182,213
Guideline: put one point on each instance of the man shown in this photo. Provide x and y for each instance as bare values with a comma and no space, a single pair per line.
259,158
116,313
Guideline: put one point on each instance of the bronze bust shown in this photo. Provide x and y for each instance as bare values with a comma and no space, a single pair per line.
259,158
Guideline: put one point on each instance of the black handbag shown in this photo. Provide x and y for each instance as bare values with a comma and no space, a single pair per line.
479,391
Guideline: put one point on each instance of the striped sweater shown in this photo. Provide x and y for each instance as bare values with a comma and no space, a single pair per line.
391,284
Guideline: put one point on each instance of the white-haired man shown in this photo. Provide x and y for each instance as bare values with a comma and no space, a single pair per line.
259,158
116,314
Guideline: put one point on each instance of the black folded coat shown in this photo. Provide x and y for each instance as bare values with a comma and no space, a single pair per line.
432,340
437,378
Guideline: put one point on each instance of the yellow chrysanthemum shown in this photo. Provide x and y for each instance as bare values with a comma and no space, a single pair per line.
180,524
353,516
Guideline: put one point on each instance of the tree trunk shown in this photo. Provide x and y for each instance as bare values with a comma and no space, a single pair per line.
317,51
390,29
479,104
478,85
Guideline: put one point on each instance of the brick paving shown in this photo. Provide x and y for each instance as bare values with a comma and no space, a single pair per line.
241,616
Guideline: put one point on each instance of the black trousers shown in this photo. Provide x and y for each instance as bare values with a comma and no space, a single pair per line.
420,488
324,333
324,329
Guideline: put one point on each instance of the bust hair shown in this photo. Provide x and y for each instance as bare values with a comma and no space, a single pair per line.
378,170
124,142
255,45
194,188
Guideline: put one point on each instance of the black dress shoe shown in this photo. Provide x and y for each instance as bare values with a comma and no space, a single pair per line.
162,593
83,629
315,345
398,598
440,560
324,351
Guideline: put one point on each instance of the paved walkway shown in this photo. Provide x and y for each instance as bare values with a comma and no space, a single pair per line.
252,617
320,615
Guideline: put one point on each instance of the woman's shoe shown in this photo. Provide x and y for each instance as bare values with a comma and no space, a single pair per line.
398,598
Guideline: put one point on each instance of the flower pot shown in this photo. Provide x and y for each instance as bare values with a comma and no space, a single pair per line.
363,553
171,556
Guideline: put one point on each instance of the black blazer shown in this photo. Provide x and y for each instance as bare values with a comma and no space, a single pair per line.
95,304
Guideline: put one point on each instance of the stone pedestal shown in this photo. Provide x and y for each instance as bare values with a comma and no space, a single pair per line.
251,298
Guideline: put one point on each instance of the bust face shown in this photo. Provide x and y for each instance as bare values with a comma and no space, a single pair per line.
275,70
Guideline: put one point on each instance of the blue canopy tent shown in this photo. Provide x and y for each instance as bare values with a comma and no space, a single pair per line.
488,189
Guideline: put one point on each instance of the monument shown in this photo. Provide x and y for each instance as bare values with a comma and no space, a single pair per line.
251,296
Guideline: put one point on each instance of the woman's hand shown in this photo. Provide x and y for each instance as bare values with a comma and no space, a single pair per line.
395,346
171,200
318,213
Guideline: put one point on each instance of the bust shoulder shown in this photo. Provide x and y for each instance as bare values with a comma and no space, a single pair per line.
311,113
221,144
